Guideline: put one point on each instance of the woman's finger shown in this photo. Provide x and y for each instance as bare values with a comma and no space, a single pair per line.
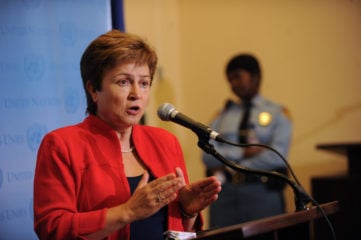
144,180
180,174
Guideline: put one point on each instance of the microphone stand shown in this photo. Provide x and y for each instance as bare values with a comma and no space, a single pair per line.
301,197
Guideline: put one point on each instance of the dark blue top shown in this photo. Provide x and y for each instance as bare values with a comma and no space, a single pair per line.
151,228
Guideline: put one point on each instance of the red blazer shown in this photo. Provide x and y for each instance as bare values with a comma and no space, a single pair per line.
79,174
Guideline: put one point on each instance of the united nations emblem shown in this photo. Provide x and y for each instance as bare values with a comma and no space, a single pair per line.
264,118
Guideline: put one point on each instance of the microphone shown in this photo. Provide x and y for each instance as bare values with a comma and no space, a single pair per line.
167,112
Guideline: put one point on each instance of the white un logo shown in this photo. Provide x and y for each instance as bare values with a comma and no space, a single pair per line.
34,135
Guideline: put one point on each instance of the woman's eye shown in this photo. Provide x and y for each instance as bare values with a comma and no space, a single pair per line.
123,82
145,84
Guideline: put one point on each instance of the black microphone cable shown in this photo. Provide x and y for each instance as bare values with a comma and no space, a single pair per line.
301,196
167,112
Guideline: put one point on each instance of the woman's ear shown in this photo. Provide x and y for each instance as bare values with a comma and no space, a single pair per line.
90,88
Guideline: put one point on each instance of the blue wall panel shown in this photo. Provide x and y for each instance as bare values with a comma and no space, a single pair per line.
41,43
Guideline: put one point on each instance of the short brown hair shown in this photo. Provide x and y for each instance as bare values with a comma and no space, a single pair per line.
108,50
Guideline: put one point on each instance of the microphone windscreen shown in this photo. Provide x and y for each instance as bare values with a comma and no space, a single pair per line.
164,111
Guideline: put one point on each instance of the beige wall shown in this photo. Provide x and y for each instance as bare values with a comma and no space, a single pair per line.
311,57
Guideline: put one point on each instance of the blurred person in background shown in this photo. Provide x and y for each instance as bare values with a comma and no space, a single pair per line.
252,118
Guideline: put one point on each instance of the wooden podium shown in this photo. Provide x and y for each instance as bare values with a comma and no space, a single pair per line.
343,188
295,225
352,152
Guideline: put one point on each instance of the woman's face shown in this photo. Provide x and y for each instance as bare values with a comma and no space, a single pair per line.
124,95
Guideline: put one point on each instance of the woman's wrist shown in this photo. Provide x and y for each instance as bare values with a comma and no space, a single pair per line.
185,214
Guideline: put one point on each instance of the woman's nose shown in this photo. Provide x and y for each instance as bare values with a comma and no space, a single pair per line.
134,92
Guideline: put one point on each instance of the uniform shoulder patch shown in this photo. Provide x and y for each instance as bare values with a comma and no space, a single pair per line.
287,113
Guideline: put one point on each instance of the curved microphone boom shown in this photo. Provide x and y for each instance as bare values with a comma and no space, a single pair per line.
167,112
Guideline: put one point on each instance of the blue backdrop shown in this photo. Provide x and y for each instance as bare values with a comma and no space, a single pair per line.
41,43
